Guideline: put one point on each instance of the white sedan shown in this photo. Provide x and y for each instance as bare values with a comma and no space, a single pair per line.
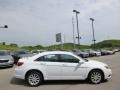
60,65
6,60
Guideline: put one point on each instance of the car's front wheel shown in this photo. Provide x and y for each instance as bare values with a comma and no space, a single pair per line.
34,78
95,76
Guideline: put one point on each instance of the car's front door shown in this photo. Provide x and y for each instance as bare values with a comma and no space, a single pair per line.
72,69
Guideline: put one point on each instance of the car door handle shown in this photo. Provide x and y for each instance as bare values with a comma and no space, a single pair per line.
64,65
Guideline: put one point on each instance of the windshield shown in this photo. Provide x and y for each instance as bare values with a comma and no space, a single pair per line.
3,53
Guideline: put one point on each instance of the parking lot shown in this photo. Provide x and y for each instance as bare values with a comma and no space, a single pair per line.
8,82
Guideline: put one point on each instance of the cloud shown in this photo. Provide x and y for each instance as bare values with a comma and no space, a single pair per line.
91,6
37,21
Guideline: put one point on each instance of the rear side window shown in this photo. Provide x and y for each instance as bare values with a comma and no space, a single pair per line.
40,59
49,58
68,58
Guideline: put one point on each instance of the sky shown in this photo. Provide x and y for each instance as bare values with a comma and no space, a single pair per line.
33,22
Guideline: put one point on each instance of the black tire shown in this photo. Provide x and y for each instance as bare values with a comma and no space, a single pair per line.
95,77
34,78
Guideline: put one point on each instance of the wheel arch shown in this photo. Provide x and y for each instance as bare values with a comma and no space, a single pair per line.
96,69
36,71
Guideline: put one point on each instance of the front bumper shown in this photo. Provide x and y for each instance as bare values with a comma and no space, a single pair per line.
108,74
6,64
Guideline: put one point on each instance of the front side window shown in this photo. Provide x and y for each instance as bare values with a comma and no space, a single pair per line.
68,58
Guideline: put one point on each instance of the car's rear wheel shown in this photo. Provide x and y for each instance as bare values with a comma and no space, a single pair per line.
34,78
96,76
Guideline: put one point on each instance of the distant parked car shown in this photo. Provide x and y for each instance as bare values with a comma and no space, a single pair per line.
20,54
91,52
115,50
81,53
106,52
97,53
109,52
103,52
6,60
94,53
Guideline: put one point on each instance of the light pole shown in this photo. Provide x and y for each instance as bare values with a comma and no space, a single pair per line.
5,26
93,32
78,37
73,32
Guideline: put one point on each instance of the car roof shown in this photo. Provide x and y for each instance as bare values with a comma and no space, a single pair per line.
52,52
56,52
32,58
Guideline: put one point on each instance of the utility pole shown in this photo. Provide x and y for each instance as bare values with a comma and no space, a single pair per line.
93,33
78,37
73,32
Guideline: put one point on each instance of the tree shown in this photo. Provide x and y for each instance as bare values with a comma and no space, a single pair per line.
13,45
3,43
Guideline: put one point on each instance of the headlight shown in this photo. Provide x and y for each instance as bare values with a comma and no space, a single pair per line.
106,67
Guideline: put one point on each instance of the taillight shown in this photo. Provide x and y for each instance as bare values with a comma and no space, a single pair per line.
20,63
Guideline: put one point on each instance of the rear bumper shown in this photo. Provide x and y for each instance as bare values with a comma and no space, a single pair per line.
19,73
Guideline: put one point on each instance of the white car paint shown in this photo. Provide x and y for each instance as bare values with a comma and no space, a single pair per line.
61,70
97,53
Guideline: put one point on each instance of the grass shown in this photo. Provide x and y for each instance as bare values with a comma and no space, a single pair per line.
8,47
66,46
108,44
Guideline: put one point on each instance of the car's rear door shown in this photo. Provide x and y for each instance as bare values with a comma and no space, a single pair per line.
52,66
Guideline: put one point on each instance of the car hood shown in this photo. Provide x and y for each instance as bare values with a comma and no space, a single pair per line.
5,57
83,53
94,63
